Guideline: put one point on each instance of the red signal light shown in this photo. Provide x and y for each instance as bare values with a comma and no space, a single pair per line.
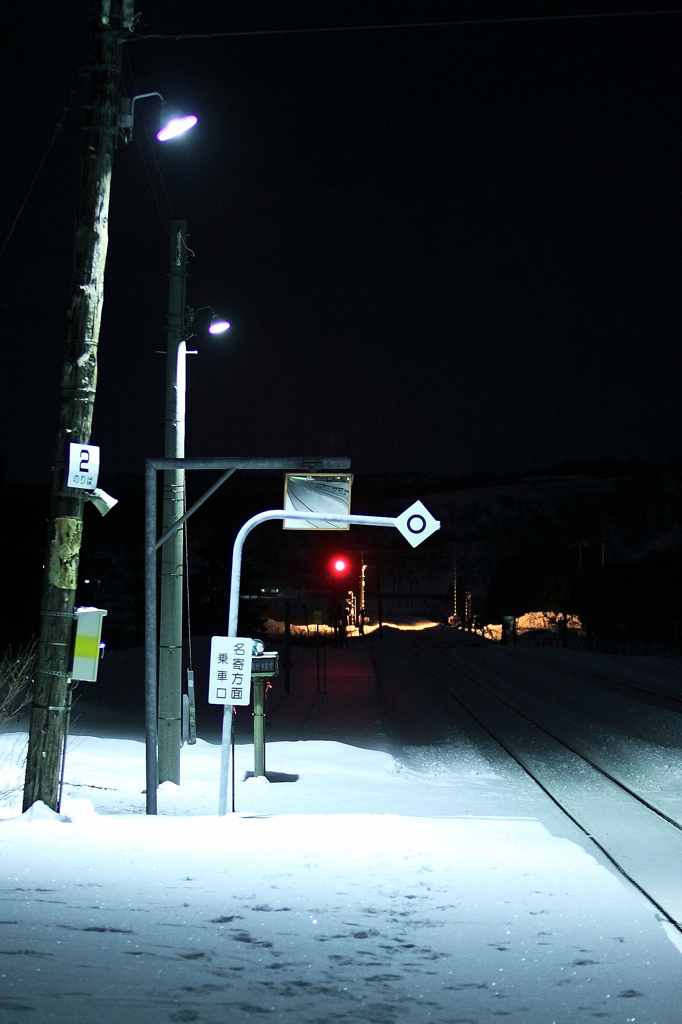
339,571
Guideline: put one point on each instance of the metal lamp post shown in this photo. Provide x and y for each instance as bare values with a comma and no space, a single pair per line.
172,553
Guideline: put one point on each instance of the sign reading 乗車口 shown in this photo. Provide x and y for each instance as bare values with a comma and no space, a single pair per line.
229,674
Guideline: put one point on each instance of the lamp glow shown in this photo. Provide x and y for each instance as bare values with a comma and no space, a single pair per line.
340,565
176,127
218,325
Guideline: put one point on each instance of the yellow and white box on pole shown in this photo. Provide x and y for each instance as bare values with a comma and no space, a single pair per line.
87,651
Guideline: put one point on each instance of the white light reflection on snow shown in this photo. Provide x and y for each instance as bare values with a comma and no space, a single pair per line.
459,886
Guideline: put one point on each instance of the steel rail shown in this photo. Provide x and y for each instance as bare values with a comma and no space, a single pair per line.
545,789
618,684
564,743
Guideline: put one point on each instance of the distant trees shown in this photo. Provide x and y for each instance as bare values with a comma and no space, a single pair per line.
600,541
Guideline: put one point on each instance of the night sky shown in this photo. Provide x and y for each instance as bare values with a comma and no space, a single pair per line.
443,249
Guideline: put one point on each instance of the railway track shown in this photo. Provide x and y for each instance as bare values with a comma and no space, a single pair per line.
654,697
640,839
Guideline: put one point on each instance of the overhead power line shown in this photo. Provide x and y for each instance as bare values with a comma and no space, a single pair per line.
416,24
50,144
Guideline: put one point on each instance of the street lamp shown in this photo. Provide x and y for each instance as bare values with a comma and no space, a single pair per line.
218,324
176,378
170,127
176,126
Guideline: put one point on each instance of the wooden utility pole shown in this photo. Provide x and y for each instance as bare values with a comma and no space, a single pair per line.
78,385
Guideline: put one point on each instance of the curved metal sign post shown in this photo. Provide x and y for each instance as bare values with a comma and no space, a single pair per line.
416,524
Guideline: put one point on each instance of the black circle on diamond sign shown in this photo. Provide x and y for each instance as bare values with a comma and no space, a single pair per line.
420,524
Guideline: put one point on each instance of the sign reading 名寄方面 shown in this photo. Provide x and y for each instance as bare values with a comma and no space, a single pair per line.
229,674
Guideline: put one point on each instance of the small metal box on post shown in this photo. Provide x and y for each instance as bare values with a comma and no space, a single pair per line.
87,654
87,648
263,667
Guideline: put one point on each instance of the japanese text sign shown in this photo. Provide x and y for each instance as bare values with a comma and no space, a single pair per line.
83,466
229,674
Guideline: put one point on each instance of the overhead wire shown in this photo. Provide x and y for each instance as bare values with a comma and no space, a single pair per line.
60,123
403,25
307,31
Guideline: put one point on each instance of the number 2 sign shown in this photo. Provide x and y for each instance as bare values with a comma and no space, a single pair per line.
83,466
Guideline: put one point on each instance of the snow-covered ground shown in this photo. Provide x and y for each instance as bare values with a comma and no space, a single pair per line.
348,895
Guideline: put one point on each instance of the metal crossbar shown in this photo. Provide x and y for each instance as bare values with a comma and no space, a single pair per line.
304,464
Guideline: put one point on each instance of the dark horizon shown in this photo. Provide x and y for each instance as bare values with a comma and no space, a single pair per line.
442,250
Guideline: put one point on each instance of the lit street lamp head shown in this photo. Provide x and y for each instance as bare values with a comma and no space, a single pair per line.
176,126
170,129
218,325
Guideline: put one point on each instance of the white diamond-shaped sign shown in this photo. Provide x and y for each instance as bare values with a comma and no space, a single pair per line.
416,524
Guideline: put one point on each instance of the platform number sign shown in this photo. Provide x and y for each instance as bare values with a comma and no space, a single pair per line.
229,674
83,466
